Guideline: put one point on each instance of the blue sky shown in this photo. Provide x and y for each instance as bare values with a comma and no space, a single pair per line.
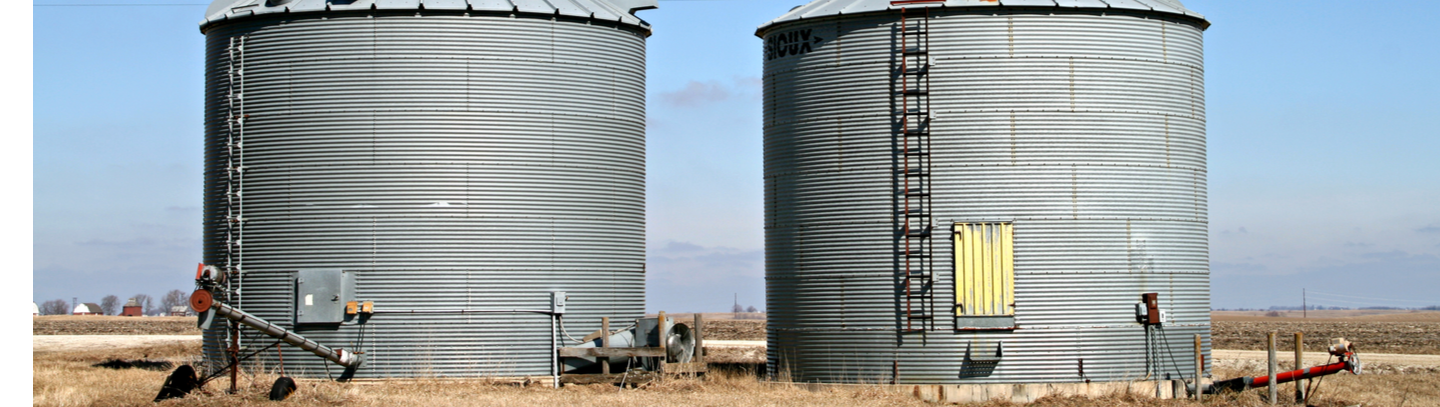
1323,121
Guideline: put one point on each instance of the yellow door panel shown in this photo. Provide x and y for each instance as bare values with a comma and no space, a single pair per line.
984,269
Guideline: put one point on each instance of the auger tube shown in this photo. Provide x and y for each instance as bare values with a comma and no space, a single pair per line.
202,301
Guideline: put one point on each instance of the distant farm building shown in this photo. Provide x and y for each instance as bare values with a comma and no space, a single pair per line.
132,309
179,311
88,308
36,311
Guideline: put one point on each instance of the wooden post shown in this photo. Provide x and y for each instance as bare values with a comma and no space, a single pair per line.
1274,366
699,339
663,333
234,357
604,343
1300,364
1199,368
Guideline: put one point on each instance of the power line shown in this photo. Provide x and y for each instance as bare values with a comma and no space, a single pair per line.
1376,299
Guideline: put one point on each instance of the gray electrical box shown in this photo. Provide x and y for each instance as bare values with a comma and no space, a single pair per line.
320,295
557,302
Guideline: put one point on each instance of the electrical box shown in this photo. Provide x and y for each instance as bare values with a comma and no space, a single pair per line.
1152,308
321,295
557,302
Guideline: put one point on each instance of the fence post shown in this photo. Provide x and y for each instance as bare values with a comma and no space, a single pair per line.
1300,364
1199,368
1274,365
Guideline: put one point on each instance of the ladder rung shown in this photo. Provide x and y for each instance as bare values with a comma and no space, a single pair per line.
915,152
916,52
917,255
918,276
916,192
920,316
917,132
916,32
915,213
915,92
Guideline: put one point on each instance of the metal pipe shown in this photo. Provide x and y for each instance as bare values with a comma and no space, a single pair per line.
201,301
1242,383
554,352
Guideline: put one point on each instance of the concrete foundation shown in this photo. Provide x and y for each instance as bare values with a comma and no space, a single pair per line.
1027,393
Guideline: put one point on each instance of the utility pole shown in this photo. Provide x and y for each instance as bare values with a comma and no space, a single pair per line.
1304,304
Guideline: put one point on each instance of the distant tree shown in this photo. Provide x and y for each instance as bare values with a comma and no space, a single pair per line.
147,303
752,309
173,299
110,304
55,307
737,309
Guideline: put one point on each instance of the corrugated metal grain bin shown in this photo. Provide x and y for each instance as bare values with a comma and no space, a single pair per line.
981,191
454,162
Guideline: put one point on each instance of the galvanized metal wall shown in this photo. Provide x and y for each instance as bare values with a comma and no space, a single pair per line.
465,164
1086,128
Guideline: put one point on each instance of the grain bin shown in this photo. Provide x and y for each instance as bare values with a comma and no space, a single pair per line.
452,162
981,192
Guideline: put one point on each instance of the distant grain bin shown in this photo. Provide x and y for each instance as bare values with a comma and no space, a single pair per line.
982,192
132,308
452,163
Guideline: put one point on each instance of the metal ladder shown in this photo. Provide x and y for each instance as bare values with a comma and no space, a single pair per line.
235,182
915,180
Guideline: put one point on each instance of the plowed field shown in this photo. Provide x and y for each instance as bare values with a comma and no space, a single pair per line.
109,325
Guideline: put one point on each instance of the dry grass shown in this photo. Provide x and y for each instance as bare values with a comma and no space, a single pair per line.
67,379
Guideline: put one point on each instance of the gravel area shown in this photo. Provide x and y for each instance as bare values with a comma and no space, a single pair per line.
76,343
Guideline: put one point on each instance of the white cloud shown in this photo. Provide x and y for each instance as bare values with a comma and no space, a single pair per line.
697,93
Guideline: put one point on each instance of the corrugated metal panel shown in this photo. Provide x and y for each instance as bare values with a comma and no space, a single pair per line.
832,8
225,10
984,277
465,167
1087,132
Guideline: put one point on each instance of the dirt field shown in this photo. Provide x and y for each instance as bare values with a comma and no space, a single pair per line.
732,330
1402,333
110,325
1330,315
70,378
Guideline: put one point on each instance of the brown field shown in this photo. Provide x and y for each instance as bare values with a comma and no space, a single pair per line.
1390,332
732,329
1329,316
112,325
